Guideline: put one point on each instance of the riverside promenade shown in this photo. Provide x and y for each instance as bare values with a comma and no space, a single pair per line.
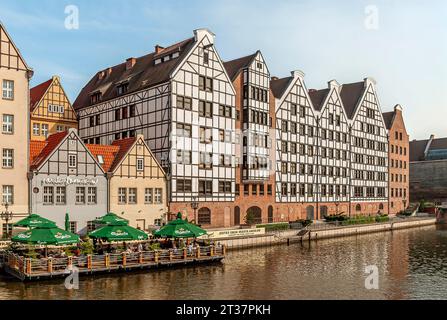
320,231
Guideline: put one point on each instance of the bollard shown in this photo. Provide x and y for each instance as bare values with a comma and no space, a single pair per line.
171,255
28,265
70,263
198,251
156,257
211,251
224,249
185,253
50,265
140,258
124,259
107,260
89,261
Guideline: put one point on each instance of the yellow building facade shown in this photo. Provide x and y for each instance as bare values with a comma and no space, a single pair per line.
14,116
137,182
51,110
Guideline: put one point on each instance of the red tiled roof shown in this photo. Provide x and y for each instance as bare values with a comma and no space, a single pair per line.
124,147
107,152
50,145
38,92
233,67
35,148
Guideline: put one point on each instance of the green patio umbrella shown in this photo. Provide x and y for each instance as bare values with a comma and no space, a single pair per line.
33,221
47,234
67,222
118,231
179,228
110,218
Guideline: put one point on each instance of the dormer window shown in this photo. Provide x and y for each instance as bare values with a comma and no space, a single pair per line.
122,88
157,61
95,97
206,57
166,58
100,159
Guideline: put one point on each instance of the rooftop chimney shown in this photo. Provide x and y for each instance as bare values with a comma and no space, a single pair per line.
158,49
130,63
274,78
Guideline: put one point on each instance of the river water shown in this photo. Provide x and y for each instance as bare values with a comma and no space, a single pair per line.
411,264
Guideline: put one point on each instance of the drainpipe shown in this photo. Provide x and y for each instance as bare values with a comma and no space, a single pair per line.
109,176
30,192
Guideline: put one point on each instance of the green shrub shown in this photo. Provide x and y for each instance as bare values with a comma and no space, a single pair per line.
87,248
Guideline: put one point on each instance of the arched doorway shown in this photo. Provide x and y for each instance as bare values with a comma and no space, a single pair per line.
358,208
310,215
204,216
270,214
323,212
254,215
237,216
381,206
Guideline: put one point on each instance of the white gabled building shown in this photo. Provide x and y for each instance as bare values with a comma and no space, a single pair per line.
182,100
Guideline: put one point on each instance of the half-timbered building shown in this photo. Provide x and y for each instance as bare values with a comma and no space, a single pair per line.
296,146
182,100
254,157
369,148
136,181
51,110
14,116
65,177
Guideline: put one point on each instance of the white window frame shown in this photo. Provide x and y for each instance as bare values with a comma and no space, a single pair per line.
45,130
132,196
122,195
149,196
8,158
59,128
8,124
8,194
72,163
92,195
8,90
80,195
140,164
36,129
48,195
158,196
61,195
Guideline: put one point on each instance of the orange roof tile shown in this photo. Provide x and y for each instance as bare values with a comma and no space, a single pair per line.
124,146
38,92
35,148
52,142
107,152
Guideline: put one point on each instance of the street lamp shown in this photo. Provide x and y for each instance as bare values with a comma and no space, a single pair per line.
6,216
195,206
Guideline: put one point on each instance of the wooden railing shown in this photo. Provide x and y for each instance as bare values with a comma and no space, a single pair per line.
90,263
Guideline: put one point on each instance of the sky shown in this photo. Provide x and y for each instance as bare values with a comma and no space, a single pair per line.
401,44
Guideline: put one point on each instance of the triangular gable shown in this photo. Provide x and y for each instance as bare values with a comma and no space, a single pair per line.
10,56
126,147
53,143
191,51
297,80
259,55
327,99
370,87
53,92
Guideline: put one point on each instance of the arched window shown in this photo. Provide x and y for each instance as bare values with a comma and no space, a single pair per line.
323,211
270,214
237,216
204,216
254,215
381,206
358,207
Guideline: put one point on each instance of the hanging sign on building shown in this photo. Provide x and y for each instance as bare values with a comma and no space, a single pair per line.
65,181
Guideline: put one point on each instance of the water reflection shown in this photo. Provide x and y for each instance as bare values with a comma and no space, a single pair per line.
410,262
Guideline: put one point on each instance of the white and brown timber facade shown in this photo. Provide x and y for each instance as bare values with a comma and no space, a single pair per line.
234,140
